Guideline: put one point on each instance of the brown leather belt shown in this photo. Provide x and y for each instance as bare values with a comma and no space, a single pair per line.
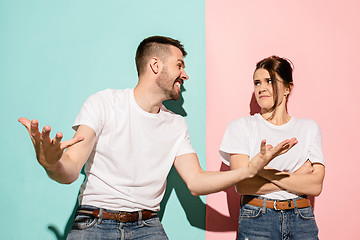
120,216
277,205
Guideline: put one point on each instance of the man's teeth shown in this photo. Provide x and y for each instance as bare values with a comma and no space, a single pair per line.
178,84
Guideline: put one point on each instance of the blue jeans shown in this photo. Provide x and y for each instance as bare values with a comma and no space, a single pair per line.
261,223
89,227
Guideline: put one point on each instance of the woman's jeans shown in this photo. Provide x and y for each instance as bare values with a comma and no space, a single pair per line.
261,223
89,228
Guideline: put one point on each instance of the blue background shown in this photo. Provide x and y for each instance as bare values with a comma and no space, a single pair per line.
53,55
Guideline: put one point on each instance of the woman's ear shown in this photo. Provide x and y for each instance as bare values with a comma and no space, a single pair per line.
289,89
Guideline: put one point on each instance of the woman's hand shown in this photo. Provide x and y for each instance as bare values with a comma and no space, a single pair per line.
268,153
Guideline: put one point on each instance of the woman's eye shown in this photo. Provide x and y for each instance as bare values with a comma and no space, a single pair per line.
256,83
269,81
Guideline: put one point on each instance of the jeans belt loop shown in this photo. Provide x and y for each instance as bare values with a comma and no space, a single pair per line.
100,215
264,206
140,217
295,206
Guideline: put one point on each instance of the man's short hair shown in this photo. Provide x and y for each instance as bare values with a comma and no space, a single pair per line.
154,46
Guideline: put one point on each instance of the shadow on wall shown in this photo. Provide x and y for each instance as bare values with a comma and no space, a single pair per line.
230,223
194,208
254,106
176,106
55,230
52,228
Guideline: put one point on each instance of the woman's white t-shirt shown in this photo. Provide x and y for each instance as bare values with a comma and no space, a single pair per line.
244,135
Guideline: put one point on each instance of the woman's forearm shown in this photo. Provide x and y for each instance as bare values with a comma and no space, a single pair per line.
298,183
256,186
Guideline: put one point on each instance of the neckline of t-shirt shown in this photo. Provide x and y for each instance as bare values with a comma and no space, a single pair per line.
140,110
285,125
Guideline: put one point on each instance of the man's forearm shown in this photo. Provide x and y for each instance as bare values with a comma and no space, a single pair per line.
64,171
210,182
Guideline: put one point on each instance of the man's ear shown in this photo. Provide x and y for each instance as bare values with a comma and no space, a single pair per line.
155,65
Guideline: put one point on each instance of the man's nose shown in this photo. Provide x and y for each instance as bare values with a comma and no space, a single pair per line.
184,75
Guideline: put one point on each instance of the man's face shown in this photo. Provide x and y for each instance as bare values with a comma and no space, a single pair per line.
173,75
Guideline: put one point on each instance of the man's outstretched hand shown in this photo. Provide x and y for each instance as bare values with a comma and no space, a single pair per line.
48,151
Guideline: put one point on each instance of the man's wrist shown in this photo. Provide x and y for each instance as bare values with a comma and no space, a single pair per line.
51,168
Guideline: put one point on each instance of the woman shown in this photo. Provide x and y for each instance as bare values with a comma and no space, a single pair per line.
274,202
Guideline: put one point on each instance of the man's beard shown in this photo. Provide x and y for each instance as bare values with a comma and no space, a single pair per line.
167,87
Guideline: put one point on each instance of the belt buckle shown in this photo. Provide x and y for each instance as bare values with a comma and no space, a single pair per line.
118,216
275,206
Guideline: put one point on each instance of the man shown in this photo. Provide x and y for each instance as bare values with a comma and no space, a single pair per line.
129,141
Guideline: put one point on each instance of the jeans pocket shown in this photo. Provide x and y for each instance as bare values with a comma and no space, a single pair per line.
82,222
152,222
306,213
249,211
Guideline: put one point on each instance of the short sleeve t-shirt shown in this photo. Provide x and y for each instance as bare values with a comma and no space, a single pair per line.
244,135
133,153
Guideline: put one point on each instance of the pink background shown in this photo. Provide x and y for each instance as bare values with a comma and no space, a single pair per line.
322,39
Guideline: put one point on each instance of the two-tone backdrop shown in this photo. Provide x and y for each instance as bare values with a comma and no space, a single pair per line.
54,54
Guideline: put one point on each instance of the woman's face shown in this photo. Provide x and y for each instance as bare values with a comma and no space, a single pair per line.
263,89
